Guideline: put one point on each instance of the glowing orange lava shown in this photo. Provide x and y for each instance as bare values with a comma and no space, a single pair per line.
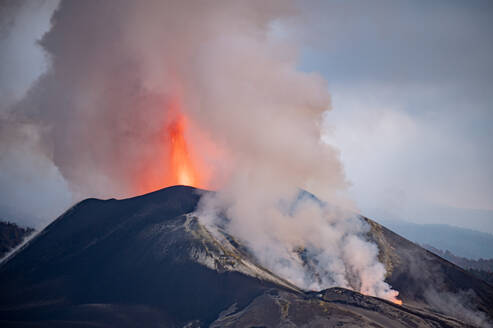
397,301
175,158
182,170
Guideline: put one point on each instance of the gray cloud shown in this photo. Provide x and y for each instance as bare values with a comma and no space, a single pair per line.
411,84
32,189
22,60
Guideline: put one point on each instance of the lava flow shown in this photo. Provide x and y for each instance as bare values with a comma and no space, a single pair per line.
397,301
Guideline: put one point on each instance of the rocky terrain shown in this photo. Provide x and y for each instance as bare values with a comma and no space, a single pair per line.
149,262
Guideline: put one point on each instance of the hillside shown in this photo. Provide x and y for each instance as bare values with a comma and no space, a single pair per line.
148,261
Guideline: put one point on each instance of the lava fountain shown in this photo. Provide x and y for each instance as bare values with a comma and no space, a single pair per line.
182,170
176,161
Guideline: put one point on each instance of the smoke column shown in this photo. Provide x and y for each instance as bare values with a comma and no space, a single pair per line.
101,116
32,188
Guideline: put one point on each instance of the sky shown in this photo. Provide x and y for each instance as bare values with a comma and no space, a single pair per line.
411,85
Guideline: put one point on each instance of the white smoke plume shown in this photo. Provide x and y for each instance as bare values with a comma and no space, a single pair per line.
311,244
100,110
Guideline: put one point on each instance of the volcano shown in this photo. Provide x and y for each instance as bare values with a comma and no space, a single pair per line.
148,261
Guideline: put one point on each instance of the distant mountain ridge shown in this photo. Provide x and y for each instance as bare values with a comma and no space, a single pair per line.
460,241
481,268
465,263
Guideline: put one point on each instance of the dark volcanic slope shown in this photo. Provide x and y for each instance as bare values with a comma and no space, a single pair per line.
131,253
146,262
424,278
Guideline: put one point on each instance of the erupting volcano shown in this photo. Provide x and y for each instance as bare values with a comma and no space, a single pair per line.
218,197
153,262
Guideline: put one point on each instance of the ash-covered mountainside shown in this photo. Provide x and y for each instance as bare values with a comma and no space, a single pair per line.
148,262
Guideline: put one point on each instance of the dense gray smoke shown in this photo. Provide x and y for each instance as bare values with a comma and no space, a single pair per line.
32,189
94,122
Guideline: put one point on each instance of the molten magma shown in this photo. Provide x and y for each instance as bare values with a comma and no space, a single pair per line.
175,160
182,170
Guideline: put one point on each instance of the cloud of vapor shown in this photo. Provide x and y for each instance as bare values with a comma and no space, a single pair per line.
311,244
32,189
100,114
460,305
22,24
431,81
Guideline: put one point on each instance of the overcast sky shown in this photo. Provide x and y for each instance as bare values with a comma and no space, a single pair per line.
412,94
